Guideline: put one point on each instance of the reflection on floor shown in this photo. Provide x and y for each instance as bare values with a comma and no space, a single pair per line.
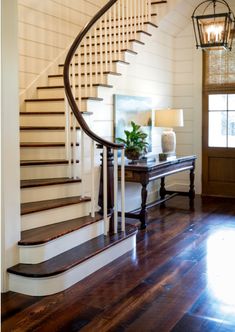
181,277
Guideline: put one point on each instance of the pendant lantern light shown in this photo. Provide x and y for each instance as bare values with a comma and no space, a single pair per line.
214,25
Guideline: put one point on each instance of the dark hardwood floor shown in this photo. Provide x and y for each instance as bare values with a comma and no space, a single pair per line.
181,278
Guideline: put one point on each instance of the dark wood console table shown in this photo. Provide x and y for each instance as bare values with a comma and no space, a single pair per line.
144,173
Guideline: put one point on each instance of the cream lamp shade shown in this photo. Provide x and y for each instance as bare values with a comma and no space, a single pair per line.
169,118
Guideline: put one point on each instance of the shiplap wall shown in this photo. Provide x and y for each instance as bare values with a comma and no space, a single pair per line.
188,95
46,28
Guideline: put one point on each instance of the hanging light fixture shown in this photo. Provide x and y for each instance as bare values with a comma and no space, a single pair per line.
213,30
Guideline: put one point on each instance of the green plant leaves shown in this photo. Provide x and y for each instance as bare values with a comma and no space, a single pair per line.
135,139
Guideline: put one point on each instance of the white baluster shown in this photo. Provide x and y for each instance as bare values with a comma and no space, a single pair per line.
119,29
92,178
90,64
96,55
115,191
105,42
105,195
128,27
101,52
82,161
130,18
110,40
123,190
124,30
68,135
79,82
142,14
135,18
149,10
146,10
115,57
139,14
85,68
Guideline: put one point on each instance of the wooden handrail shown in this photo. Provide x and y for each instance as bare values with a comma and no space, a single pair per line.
67,83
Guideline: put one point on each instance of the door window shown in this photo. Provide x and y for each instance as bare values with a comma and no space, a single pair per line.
221,115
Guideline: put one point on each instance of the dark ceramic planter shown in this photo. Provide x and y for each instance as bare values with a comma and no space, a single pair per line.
133,155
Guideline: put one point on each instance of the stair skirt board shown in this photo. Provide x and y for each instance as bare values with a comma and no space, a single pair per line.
53,216
51,285
50,192
40,253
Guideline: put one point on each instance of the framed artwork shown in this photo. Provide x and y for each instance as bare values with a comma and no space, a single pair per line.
136,109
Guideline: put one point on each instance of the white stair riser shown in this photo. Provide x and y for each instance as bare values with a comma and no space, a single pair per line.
110,67
121,56
42,120
50,192
57,283
43,135
43,153
58,81
59,92
53,216
52,106
44,172
41,253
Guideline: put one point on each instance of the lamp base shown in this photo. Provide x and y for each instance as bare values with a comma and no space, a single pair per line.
167,156
168,141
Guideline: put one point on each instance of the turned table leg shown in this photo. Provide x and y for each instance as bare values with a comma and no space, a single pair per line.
143,213
191,187
162,191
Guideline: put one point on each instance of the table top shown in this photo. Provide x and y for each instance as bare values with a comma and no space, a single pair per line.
145,165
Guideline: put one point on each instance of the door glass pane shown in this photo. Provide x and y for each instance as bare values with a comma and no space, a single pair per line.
231,102
231,129
217,102
217,129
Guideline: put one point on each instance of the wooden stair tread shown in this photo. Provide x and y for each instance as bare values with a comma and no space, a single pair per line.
117,33
83,85
59,99
93,73
44,128
72,257
32,207
99,62
108,43
158,2
43,144
53,113
152,24
48,233
122,50
46,182
44,162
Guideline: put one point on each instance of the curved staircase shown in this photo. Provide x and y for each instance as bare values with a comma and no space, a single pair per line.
64,238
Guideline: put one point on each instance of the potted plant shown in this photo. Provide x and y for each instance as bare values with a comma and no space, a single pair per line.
135,142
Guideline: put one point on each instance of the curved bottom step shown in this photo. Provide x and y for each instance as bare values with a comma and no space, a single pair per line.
63,271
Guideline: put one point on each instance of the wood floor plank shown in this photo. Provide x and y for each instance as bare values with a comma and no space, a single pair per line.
162,286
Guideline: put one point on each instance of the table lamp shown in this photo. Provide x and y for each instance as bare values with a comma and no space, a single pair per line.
168,118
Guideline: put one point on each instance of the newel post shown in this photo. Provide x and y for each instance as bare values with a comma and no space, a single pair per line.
110,189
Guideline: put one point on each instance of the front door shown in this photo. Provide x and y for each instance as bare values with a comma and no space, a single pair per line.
218,147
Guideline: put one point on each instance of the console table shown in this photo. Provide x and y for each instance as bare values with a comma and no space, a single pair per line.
144,173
